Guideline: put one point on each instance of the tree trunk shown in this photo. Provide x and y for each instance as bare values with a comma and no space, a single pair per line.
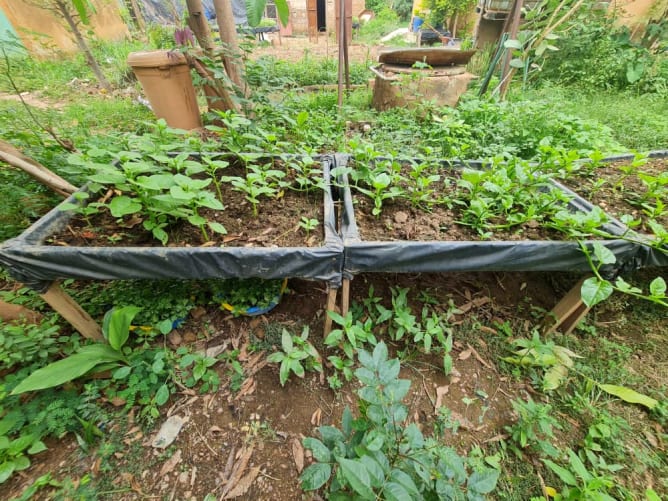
199,25
453,24
507,72
135,14
81,42
228,36
217,95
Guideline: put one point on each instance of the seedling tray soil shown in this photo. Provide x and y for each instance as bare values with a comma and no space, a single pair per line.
395,254
31,260
276,225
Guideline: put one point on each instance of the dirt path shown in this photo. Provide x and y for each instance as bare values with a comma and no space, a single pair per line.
296,48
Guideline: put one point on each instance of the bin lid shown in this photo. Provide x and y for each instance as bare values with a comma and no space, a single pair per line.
155,58
436,56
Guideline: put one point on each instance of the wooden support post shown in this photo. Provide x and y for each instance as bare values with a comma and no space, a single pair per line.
568,313
331,305
345,296
70,310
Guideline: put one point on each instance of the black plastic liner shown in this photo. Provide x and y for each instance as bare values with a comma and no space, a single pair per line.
456,256
28,260
343,254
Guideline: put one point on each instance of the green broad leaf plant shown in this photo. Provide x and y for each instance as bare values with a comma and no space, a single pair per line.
89,358
296,356
378,455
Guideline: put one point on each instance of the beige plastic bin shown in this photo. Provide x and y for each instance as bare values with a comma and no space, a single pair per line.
165,77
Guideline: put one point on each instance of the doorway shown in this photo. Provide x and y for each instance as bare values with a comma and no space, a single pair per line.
321,15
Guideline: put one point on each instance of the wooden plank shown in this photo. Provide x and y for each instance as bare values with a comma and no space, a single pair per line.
331,305
70,310
15,158
345,296
568,313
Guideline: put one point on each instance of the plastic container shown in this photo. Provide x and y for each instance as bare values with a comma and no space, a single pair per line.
254,311
165,78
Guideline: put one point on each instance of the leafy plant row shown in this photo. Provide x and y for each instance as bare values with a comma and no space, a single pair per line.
506,194
159,183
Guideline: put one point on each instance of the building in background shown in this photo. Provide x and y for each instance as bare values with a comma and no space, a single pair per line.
41,32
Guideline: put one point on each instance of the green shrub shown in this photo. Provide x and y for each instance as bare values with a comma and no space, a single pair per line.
26,344
599,55
376,456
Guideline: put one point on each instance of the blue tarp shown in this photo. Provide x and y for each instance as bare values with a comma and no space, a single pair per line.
172,11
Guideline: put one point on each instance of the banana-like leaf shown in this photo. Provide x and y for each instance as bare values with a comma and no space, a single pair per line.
83,8
629,395
255,10
69,368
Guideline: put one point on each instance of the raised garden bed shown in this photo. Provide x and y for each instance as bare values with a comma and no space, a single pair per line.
462,210
253,245
628,185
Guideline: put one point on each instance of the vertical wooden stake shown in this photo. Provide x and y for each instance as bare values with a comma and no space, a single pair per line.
70,310
331,304
345,297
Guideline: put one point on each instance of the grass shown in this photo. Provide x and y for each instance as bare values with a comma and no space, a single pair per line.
52,77
638,121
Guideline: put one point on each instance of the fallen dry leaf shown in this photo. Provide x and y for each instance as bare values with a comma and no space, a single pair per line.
464,354
495,438
171,463
244,484
247,388
117,402
130,479
238,470
464,423
214,351
441,391
298,454
478,357
316,417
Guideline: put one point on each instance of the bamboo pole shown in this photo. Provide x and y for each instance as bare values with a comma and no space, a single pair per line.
507,73
37,171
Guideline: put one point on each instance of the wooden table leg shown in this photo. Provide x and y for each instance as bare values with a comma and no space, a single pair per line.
70,310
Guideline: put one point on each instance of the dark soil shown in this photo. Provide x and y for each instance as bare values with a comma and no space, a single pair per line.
276,225
621,193
399,220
